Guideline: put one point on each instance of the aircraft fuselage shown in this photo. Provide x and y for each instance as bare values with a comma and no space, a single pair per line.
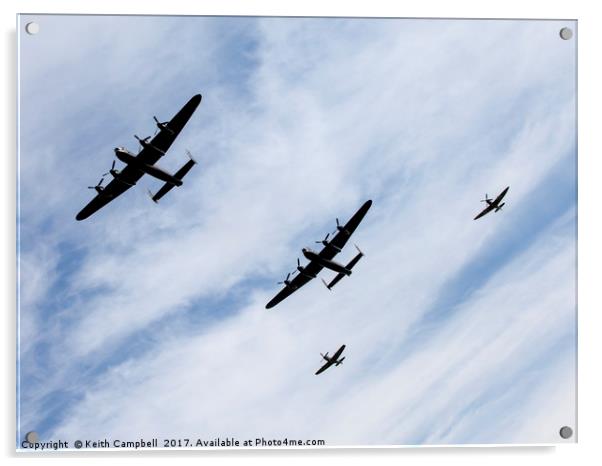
130,159
119,177
329,264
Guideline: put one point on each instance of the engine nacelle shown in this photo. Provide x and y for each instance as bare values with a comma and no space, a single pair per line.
163,126
148,146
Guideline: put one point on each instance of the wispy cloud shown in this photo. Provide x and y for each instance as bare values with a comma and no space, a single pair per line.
453,327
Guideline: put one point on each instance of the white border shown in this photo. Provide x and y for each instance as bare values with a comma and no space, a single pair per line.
589,226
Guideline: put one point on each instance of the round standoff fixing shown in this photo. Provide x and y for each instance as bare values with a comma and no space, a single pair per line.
566,33
32,28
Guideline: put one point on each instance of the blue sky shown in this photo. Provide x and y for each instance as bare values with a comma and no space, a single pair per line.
149,320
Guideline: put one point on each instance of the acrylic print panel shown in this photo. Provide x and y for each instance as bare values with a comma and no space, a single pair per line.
165,323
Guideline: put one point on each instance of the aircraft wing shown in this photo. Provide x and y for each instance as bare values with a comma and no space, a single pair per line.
114,189
300,279
485,211
338,242
162,141
336,355
501,196
326,366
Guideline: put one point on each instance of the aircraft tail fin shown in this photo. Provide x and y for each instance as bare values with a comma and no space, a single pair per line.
349,266
340,361
179,175
500,206
186,167
152,196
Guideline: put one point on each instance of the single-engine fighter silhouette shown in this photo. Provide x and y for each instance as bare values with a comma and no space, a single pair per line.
324,259
334,360
493,204
144,162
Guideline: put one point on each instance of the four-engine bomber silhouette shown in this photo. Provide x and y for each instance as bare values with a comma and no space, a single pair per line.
493,204
333,360
324,259
144,162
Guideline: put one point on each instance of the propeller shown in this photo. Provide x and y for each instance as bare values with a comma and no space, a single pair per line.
286,281
140,141
111,170
162,125
324,241
486,198
99,185
299,267
339,227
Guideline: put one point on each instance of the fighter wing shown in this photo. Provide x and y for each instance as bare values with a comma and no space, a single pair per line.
336,355
326,366
165,138
309,272
501,196
485,211
338,242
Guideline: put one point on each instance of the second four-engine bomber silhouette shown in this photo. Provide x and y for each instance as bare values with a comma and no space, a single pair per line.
324,258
